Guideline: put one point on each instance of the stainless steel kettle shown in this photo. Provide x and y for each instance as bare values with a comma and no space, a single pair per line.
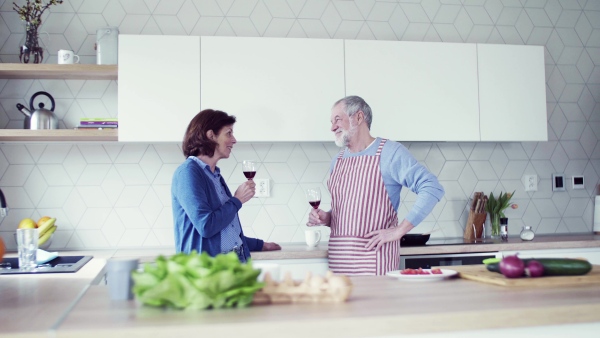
40,118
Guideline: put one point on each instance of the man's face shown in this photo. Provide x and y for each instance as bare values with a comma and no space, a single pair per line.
342,126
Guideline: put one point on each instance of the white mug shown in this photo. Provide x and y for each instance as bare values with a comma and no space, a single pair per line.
313,237
65,57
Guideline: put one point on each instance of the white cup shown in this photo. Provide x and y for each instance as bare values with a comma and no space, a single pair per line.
313,237
65,57
27,243
118,277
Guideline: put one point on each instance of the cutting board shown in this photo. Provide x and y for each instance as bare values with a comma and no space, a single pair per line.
480,274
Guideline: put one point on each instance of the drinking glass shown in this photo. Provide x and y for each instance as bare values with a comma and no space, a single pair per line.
249,168
314,197
27,243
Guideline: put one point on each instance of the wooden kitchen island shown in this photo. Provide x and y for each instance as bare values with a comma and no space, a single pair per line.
378,306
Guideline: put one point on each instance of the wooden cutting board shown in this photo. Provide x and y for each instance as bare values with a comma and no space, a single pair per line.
480,274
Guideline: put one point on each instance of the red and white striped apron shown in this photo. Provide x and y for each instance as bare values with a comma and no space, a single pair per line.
360,204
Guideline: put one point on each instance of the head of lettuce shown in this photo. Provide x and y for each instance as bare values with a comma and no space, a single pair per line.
197,281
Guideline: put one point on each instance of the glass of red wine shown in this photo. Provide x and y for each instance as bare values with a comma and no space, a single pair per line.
249,169
314,197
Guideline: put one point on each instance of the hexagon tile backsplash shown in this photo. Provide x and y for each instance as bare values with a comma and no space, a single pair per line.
114,195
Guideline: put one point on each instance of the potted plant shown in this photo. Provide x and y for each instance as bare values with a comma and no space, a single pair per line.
495,207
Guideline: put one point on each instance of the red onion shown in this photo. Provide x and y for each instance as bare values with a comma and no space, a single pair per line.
534,269
512,267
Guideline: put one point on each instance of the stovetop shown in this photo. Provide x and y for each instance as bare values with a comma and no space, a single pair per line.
60,264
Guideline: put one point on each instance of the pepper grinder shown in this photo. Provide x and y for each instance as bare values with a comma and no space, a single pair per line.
504,228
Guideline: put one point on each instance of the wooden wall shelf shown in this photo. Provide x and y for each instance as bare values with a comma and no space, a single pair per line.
58,72
65,135
52,71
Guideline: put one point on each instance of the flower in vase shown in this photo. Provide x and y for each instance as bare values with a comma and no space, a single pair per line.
32,10
31,14
495,207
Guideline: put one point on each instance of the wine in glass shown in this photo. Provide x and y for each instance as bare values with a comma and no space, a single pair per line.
249,168
314,197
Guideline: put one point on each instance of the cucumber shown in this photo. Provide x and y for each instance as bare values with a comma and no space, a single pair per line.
554,266
563,266
493,267
491,260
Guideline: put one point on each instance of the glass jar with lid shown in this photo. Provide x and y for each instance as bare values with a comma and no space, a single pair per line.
527,233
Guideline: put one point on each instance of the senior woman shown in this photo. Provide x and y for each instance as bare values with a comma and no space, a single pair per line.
205,213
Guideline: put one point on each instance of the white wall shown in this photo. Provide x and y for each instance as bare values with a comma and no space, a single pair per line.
116,195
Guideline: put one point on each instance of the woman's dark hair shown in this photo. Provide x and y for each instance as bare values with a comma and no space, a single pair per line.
195,141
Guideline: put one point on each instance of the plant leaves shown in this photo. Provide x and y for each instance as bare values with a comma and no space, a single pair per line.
197,281
499,204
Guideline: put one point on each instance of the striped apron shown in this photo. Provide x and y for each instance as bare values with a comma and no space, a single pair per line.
360,204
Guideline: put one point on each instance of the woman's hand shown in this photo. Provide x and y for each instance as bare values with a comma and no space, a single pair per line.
270,246
319,217
245,191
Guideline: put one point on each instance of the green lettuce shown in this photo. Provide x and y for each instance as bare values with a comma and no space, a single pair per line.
196,281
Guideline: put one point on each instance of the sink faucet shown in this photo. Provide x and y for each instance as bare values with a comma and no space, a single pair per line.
3,208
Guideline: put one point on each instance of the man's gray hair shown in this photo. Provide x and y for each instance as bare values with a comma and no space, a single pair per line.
354,104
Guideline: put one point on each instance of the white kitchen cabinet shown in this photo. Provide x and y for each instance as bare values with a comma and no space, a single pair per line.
159,86
280,89
512,93
418,91
591,254
297,268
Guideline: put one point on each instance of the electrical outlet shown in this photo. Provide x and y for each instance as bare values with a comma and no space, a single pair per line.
530,182
263,187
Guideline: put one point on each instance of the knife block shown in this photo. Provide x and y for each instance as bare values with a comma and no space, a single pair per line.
475,225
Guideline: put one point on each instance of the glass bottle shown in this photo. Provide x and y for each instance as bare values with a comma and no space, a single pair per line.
29,48
526,233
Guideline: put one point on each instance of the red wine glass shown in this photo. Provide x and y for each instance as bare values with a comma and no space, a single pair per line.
314,197
249,169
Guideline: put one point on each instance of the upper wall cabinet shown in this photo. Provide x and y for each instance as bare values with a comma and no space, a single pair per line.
512,93
280,89
159,86
418,91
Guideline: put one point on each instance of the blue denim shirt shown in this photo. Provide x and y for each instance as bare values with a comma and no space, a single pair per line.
230,235
198,214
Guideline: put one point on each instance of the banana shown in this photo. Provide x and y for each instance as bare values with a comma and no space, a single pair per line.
47,235
46,226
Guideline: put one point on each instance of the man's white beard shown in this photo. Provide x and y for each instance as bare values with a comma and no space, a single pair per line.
344,139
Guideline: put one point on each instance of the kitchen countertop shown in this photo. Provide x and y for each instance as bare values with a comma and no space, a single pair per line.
378,306
31,302
301,251
67,304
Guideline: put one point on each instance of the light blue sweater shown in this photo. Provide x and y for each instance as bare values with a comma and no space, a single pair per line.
400,169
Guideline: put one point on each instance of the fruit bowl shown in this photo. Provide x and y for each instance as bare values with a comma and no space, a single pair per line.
44,246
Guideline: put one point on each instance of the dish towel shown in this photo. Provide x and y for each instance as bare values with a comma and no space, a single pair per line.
45,256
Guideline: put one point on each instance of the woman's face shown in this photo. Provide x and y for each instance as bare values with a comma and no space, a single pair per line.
225,141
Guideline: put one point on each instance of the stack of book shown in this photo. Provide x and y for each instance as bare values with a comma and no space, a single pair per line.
98,123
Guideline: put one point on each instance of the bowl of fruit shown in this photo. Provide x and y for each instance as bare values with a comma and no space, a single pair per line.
46,228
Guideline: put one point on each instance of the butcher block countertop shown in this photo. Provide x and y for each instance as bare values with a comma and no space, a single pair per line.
378,306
